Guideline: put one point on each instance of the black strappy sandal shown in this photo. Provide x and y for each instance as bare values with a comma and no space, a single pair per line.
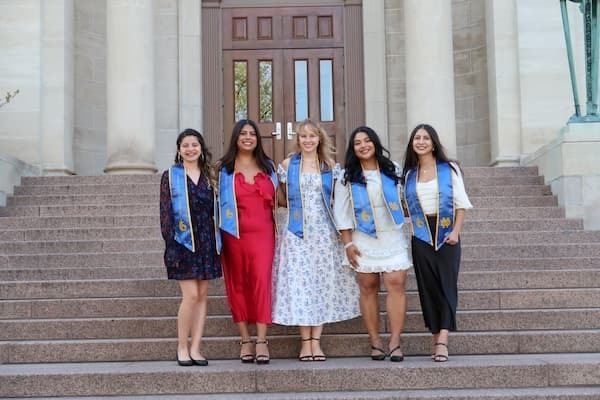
246,358
262,358
440,357
396,358
378,357
308,357
318,357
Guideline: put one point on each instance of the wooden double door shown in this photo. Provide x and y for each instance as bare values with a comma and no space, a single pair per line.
282,66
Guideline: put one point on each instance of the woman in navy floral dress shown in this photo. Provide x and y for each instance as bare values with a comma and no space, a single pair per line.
190,255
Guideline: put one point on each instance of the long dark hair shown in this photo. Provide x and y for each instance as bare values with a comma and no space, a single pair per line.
411,159
354,171
228,160
205,159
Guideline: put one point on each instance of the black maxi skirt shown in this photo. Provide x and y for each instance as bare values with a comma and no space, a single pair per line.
437,281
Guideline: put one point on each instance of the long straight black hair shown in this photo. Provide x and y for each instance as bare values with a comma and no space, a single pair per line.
353,168
228,160
411,159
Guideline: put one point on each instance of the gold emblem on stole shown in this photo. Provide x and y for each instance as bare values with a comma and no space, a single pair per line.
420,222
445,222
365,216
182,226
394,206
296,215
228,213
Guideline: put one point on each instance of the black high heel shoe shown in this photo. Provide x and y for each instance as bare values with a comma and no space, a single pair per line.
308,357
246,358
396,358
262,358
378,357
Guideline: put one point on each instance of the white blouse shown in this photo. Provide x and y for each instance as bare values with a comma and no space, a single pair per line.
428,194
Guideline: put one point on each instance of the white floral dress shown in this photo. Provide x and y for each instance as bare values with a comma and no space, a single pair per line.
390,250
310,285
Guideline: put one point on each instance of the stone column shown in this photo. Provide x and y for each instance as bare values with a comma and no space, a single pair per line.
430,68
503,82
57,91
374,59
130,87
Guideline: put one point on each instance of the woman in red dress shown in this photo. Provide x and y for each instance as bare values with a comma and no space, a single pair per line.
247,184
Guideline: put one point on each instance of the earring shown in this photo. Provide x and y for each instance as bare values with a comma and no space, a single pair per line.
179,158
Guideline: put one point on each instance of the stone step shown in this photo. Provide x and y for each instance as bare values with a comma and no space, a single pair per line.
499,171
468,236
525,248
138,232
531,250
468,280
156,270
15,251
155,259
109,188
114,228
287,346
81,210
509,190
503,201
153,211
221,325
158,306
337,374
101,221
153,189
518,225
512,238
83,272
545,393
90,180
469,172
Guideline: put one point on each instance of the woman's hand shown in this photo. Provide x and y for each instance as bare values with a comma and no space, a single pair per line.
353,254
452,238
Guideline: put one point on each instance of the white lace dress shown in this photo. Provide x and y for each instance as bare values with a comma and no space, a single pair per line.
310,285
390,250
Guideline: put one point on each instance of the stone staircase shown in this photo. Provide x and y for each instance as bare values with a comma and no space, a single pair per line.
85,309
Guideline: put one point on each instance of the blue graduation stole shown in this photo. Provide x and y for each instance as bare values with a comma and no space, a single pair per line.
445,219
228,214
294,195
363,211
180,204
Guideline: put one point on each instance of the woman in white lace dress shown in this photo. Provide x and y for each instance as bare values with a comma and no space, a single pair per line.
369,214
311,287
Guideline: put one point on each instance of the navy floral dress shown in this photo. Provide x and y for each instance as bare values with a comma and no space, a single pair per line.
181,263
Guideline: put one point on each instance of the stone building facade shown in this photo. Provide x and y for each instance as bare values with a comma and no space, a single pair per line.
106,85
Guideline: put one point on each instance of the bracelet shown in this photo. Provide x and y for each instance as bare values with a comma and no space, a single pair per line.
348,245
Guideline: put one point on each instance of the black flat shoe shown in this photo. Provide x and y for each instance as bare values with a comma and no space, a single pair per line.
396,358
184,363
378,357
201,362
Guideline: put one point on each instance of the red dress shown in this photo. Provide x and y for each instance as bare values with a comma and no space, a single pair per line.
248,261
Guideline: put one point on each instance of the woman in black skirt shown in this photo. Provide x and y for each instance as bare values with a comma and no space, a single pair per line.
188,228
436,200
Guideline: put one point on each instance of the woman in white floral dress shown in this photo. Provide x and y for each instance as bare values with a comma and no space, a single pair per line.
311,287
369,214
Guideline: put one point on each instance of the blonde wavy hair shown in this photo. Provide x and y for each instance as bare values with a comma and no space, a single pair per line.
325,149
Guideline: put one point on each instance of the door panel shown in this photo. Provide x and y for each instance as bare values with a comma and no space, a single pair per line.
300,51
325,70
247,95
